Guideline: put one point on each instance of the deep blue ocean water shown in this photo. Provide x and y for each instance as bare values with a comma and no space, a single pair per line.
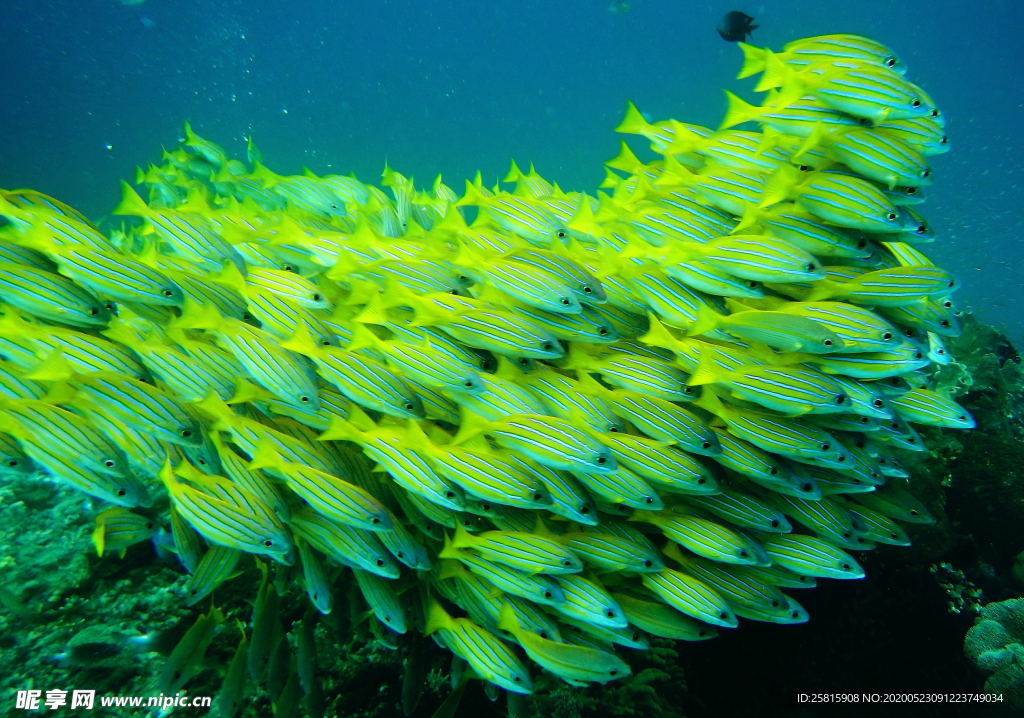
93,88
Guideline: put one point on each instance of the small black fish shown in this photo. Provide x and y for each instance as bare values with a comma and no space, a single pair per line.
735,26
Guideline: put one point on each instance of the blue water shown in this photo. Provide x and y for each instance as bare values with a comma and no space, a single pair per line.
92,89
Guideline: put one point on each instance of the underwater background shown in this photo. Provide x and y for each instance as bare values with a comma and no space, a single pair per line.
94,88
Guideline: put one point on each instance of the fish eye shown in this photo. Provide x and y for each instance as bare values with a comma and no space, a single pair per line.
753,285
375,521
566,302
926,173
887,336
304,399
908,332
775,603
380,563
469,383
410,406
864,420
774,523
613,673
603,332
846,566
486,507
516,678
911,191
584,510
918,355
702,480
840,398
811,267
947,304
325,342
546,346
316,296
601,461
706,445
455,292
587,289
400,554
267,543
944,140
288,268
807,488
12,462
548,594
561,234
121,492
567,563
827,342
916,103
878,403
890,61
186,433
935,113
891,216
649,499
862,243
688,390
648,563
246,317
449,494
94,312
109,463
805,168
610,614
951,283
168,293
922,229
613,429
826,446
773,471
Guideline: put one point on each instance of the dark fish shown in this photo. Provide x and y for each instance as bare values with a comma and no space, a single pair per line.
735,26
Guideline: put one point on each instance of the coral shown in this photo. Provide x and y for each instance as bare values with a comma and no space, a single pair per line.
996,645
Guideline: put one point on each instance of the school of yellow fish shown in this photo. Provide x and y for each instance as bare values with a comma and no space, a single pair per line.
532,424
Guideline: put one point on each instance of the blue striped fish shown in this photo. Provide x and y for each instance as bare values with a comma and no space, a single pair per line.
691,596
246,525
344,544
707,538
664,621
665,467
50,296
587,601
810,556
923,406
527,552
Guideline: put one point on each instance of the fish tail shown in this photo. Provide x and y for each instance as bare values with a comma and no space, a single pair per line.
737,111
55,367
753,60
341,430
707,320
437,618
265,457
625,160
775,71
633,123
473,196
472,425
658,335
462,539
363,337
778,185
514,174
705,373
131,203
507,619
